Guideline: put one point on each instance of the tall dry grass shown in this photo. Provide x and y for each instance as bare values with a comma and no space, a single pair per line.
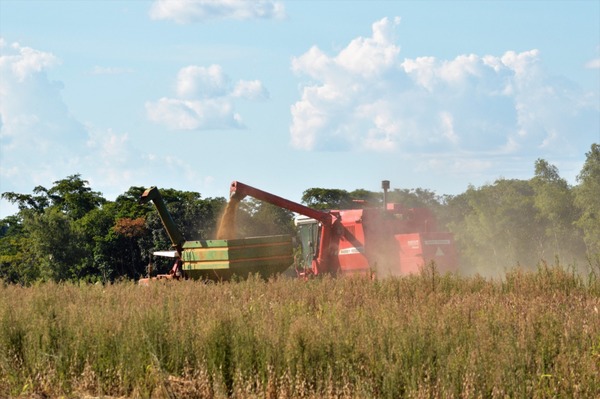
533,334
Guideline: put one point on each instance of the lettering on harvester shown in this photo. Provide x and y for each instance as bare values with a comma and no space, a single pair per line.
413,244
436,242
351,250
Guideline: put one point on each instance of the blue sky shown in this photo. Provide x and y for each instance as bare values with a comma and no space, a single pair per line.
290,95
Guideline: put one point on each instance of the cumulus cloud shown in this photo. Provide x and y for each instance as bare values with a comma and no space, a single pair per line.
593,64
35,120
204,100
41,141
368,97
193,115
250,90
24,62
37,124
195,81
189,11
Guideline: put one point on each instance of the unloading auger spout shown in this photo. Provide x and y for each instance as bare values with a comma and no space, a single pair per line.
177,239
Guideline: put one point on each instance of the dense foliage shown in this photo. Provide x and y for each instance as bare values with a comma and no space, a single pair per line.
70,232
531,335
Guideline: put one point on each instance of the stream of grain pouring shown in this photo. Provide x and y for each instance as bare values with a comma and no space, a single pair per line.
227,225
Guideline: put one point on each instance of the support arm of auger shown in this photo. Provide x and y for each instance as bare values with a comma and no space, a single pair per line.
177,239
322,263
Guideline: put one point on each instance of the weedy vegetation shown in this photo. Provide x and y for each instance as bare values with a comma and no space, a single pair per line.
533,334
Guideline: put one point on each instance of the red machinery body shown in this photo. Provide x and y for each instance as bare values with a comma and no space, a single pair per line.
391,241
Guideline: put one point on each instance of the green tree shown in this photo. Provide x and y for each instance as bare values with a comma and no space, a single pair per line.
13,248
54,244
416,198
367,198
95,231
48,243
24,202
326,198
258,218
499,227
587,199
69,232
323,198
127,205
422,198
72,196
554,200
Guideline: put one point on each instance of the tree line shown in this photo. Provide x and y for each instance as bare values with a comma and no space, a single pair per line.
70,232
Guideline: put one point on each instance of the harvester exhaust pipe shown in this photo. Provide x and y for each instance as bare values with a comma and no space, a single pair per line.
385,185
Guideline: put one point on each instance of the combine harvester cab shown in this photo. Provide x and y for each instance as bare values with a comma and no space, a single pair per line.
220,259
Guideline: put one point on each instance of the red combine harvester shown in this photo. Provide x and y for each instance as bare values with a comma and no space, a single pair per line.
392,240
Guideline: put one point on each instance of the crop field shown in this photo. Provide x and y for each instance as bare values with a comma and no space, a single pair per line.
529,335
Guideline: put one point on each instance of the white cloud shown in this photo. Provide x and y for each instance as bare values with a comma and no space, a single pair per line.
313,63
307,121
24,62
250,90
42,142
188,11
204,100
422,71
447,126
371,56
200,82
193,115
593,64
35,120
366,97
